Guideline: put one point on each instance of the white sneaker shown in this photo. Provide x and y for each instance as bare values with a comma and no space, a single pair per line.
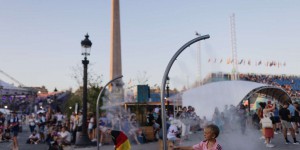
100,144
275,132
93,140
262,138
269,145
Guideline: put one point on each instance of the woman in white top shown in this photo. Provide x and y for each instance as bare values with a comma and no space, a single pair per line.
90,127
31,122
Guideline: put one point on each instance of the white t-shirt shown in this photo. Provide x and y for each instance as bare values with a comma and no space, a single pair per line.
59,117
31,122
156,110
91,123
172,132
36,136
65,135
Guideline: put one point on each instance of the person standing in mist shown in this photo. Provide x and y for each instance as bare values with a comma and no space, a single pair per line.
285,117
243,118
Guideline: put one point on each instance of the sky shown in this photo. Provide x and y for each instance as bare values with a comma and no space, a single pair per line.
40,40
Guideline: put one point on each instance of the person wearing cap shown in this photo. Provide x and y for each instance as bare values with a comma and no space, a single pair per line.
14,126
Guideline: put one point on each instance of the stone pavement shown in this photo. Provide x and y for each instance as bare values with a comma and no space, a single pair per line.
229,141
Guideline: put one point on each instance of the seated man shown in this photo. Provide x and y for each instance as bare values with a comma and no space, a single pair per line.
64,137
34,138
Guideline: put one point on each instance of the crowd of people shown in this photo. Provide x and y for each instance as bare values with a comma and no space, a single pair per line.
290,84
278,118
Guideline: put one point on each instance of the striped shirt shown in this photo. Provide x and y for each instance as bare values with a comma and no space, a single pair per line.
203,146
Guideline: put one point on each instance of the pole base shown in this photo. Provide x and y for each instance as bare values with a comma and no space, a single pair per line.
82,140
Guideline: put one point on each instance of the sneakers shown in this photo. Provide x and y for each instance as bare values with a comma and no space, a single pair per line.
262,138
100,144
94,140
287,142
275,132
269,145
296,142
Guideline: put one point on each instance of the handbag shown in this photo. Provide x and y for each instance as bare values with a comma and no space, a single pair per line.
266,122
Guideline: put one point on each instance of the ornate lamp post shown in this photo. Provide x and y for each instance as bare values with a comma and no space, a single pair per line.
55,101
168,93
86,45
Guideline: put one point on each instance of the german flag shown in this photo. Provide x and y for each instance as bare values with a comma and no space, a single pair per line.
120,140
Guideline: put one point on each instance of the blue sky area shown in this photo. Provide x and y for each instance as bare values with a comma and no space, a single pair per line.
40,40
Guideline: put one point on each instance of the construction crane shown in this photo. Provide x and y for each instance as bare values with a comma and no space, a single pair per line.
10,77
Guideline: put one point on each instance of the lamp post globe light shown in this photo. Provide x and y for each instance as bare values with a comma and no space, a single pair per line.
83,139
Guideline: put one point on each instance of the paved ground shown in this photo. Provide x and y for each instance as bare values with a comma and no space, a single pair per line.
229,141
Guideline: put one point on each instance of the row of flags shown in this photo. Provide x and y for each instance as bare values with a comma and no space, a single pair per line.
249,62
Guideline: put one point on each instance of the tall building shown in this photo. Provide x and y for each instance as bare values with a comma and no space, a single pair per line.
116,87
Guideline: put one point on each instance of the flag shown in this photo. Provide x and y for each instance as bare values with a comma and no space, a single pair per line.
208,60
241,61
259,63
221,60
228,61
120,140
284,64
129,82
215,60
249,62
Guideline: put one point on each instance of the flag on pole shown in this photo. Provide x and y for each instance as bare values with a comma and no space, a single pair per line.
228,61
259,63
241,61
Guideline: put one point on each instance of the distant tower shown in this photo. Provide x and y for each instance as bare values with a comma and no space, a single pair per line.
234,74
115,51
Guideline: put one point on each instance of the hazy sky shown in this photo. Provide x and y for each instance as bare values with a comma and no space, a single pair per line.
40,40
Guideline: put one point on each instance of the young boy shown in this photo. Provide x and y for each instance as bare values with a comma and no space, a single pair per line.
211,132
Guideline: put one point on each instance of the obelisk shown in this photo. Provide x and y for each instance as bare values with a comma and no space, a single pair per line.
115,52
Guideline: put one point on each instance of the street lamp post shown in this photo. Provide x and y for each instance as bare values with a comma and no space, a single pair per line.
168,94
55,101
86,45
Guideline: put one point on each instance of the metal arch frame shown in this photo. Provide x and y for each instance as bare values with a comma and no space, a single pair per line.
163,84
256,90
97,107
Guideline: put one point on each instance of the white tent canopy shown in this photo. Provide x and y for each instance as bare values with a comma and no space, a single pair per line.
217,94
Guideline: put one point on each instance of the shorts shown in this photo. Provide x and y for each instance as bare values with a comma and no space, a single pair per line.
15,132
90,130
276,119
172,139
285,124
293,119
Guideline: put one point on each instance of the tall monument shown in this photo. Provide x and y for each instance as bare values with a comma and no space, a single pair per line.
115,52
